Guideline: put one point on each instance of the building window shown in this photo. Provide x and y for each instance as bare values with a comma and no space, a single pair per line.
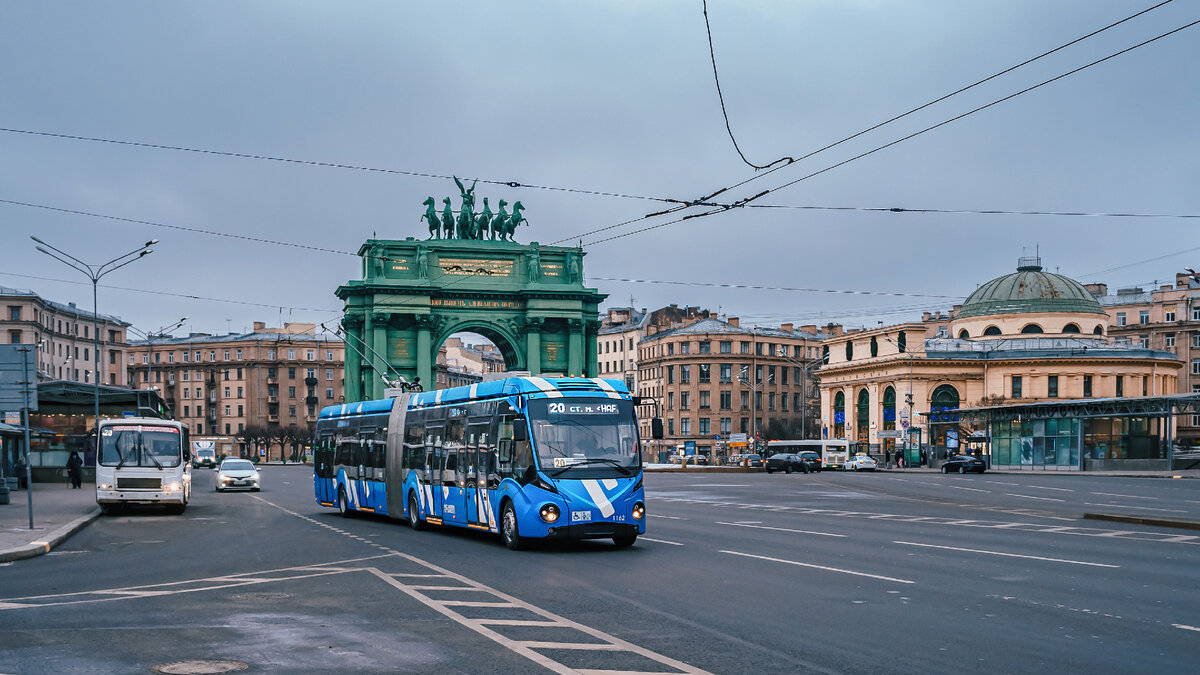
241,410
1196,366
685,400
685,426
14,313
770,374
1120,318
226,354
705,347
704,428
1144,317
726,400
226,395
1195,340
291,411
726,347
270,354
1052,386
685,347
770,400
745,400
1017,384
670,426
291,392
671,349
186,413
212,355
227,409
329,393
185,356
1196,314
1121,379
1087,386
726,425
329,374
1144,342
705,373
239,355
1170,340
14,337
726,373
745,347
328,356
292,373
309,355
670,374
849,350
758,374
705,399
171,357
1169,315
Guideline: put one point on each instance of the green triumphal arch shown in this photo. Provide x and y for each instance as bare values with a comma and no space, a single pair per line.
528,299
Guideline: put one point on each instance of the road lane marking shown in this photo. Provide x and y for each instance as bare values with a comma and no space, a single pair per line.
1184,626
661,541
819,567
1043,487
1007,555
1000,482
1113,494
655,515
1042,499
1139,507
782,529
963,487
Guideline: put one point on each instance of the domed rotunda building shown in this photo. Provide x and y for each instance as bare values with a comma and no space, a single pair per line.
1023,373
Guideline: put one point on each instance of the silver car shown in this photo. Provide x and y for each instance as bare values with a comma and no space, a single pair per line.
237,474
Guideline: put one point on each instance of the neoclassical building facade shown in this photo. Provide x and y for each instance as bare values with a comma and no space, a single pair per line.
1022,338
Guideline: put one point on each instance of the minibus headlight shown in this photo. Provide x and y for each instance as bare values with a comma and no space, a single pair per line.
549,513
173,487
639,511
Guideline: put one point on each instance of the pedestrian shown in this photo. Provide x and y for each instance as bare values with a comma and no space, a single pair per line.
75,470
887,458
899,460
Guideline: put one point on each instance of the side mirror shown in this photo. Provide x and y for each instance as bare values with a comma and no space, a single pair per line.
656,428
520,431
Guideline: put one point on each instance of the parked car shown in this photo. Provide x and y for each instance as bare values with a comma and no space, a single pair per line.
786,462
237,474
964,464
860,462
751,460
204,457
811,459
733,460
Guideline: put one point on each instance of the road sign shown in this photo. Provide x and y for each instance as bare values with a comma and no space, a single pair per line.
904,423
716,437
17,366
891,433
737,438
903,413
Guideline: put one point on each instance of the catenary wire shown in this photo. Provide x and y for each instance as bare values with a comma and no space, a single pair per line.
769,288
331,165
721,97
747,200
887,121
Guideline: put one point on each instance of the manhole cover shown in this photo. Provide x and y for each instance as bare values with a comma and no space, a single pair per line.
200,667
261,596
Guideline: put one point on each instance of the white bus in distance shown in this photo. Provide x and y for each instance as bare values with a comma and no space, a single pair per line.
143,460
834,452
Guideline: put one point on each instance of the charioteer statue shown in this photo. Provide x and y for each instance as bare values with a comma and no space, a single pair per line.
469,225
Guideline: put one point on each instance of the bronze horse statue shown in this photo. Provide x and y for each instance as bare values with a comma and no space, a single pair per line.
435,225
499,222
510,226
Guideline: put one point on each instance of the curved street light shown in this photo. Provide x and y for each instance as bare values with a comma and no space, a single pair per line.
94,273
150,337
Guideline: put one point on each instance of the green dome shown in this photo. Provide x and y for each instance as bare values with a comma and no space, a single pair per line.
1030,290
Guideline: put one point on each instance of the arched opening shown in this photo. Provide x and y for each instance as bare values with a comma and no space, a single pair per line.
863,416
874,346
839,415
1098,330
992,330
963,334
889,417
943,422
1071,328
1031,329
467,357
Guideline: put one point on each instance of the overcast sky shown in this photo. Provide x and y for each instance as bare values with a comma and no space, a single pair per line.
599,96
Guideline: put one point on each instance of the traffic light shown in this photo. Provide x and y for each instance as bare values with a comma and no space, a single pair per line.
908,399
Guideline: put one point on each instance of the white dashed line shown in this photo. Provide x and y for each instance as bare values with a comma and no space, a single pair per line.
820,567
1007,555
655,515
1139,507
1113,494
1184,626
661,541
1043,487
1041,499
782,529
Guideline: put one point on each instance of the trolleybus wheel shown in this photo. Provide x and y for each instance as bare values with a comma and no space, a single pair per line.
508,528
626,540
343,507
414,514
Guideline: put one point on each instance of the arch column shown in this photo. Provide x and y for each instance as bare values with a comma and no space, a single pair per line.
533,345
575,358
353,385
424,351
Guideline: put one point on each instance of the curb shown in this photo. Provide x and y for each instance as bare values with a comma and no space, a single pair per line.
36,548
1145,520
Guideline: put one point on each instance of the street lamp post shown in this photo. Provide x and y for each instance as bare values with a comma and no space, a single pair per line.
95,272
806,369
908,398
149,337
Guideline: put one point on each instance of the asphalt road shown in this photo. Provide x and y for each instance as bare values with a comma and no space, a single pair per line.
832,572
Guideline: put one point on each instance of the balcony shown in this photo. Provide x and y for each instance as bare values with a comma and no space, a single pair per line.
272,399
310,381
273,418
311,400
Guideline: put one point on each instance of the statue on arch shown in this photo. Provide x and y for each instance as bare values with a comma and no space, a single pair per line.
435,225
466,213
483,221
500,222
533,263
422,262
447,219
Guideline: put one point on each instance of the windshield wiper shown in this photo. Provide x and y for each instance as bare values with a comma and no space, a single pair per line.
594,460
154,459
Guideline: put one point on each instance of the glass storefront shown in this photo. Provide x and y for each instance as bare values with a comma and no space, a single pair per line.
1063,444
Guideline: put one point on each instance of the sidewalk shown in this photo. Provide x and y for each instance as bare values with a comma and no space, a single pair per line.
58,513
1187,473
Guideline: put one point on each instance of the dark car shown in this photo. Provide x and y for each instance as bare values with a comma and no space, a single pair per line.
810,459
963,464
786,463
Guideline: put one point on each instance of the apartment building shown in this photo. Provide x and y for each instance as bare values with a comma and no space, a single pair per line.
64,338
220,384
713,378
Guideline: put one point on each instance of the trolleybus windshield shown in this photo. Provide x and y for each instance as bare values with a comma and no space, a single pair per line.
585,438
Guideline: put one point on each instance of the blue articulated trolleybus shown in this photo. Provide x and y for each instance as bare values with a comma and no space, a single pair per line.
525,457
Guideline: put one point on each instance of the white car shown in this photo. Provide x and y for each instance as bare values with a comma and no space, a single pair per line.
234,474
860,462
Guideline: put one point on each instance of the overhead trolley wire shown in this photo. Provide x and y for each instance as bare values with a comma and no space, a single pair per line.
747,200
703,200
332,165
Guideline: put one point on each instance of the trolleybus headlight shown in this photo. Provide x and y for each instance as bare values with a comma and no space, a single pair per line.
173,487
639,511
549,513
105,486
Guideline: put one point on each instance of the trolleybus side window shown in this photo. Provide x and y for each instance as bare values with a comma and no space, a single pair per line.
414,445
